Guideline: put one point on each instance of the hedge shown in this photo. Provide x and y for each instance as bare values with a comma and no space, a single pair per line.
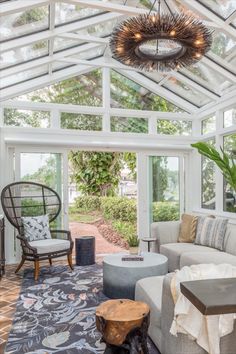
125,209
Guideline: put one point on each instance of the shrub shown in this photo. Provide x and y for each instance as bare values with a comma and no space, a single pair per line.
117,208
165,211
124,228
88,203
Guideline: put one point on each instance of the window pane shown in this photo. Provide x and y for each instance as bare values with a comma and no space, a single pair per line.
229,117
84,89
23,76
209,125
27,22
126,93
208,182
129,125
80,121
174,127
229,192
68,12
26,118
23,54
187,92
222,8
165,188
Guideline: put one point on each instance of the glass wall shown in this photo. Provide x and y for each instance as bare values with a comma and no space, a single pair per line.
165,188
208,185
229,195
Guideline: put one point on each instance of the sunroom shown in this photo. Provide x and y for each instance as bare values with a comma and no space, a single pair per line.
104,148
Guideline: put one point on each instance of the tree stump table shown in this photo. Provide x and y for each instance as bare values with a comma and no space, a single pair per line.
124,326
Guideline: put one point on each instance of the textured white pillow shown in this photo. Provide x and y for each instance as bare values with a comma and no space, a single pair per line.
211,232
36,227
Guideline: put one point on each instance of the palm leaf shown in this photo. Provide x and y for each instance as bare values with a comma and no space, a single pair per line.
225,163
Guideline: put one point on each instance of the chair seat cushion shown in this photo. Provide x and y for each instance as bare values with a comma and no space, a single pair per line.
173,252
149,290
188,259
50,245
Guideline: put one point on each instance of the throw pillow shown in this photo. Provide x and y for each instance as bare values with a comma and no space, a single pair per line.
211,232
188,228
36,227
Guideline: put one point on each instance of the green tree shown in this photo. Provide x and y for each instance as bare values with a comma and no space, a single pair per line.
96,173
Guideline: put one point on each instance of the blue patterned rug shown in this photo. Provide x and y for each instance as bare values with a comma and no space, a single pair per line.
57,315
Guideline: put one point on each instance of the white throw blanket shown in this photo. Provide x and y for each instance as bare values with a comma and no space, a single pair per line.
206,330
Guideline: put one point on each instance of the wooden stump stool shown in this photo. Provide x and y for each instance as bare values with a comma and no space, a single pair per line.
124,326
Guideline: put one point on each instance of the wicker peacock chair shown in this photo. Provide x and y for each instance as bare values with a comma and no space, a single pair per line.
29,199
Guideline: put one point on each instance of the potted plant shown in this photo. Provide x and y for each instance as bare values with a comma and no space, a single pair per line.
225,162
133,242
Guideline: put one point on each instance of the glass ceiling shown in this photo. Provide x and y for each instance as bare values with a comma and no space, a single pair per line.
37,40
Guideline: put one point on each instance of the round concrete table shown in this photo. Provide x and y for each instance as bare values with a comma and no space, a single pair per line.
120,277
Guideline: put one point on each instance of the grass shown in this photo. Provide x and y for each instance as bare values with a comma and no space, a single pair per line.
86,217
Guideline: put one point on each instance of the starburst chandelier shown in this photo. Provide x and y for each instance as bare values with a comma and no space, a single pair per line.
161,42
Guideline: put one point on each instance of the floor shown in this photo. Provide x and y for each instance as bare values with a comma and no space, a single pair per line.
10,283
102,245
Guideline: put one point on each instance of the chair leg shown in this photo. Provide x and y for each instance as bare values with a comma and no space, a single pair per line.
50,261
20,265
69,257
36,269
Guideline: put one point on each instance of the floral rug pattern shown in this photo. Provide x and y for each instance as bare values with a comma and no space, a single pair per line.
57,315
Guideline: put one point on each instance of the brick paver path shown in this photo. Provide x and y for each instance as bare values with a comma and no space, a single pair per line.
102,245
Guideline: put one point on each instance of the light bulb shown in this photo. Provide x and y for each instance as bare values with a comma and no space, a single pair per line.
138,35
198,41
198,55
172,33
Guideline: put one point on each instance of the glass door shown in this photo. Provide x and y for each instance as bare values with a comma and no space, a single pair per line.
164,188
161,188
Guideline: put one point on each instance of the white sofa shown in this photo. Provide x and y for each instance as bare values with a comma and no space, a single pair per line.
186,254
155,291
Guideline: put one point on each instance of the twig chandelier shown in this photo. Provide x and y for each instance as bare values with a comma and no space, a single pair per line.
160,42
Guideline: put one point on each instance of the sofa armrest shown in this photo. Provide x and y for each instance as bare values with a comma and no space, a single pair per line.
165,232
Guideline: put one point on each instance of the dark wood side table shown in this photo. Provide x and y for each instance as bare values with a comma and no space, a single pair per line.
124,325
2,246
211,296
148,240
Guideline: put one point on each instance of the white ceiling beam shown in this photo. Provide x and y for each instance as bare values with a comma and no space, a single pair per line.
158,90
37,83
84,38
222,62
75,26
12,7
72,108
197,6
231,18
52,19
47,60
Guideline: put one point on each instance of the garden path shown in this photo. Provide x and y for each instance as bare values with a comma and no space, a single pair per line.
102,245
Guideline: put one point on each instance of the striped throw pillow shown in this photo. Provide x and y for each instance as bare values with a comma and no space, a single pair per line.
211,232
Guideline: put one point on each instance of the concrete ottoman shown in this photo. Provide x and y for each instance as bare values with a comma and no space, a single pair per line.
120,277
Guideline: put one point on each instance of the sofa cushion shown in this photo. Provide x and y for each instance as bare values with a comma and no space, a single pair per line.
173,252
149,290
36,227
230,239
50,245
190,258
188,226
211,232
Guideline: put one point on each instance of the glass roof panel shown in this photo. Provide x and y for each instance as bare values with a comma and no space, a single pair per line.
102,29
23,76
65,13
126,93
84,89
208,77
147,4
187,92
64,43
223,8
22,23
222,44
23,54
